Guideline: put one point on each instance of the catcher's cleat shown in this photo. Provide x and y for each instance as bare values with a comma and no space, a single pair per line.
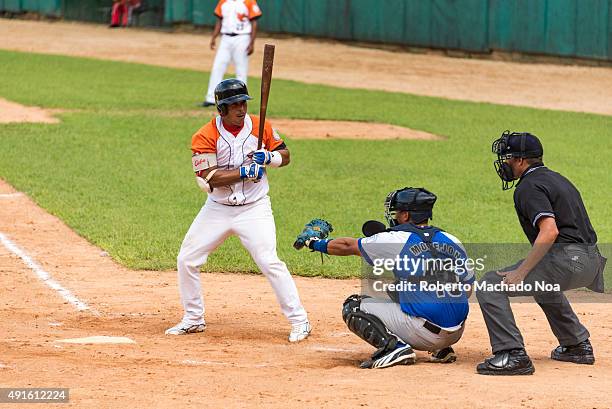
401,355
183,329
581,353
509,362
300,332
443,356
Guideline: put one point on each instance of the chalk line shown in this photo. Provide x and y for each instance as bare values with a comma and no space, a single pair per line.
10,195
43,275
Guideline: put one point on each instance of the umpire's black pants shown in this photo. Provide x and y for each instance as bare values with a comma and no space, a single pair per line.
570,267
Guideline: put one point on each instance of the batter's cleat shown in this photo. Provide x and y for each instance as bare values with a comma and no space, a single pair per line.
300,332
443,356
508,362
581,353
401,355
183,329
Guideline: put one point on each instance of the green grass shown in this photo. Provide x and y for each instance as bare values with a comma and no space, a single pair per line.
117,168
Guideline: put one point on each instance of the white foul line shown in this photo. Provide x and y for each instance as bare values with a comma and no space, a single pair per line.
9,195
43,275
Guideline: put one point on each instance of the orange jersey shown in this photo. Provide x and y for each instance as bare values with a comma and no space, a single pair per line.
233,152
236,15
205,140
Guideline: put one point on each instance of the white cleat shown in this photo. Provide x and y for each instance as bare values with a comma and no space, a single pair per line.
183,329
300,332
401,355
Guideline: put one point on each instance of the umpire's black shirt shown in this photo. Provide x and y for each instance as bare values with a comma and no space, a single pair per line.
541,192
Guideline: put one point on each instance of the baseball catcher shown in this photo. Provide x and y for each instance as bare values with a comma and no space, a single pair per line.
426,307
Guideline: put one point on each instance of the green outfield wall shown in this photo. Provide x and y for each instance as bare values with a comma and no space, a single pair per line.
565,28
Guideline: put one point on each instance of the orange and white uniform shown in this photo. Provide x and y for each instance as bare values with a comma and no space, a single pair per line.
236,15
242,209
232,153
236,27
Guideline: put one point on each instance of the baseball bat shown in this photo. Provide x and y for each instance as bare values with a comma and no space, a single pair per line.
266,79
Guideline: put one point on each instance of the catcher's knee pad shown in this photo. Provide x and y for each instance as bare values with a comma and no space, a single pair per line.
367,326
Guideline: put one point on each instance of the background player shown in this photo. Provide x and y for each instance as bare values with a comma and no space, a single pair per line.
237,24
397,323
550,211
236,205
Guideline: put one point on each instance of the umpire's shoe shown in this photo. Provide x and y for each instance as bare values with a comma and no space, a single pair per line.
401,355
581,353
508,362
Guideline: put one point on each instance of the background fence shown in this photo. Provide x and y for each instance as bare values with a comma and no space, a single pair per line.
567,28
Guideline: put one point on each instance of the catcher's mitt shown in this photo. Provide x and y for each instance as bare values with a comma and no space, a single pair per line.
315,229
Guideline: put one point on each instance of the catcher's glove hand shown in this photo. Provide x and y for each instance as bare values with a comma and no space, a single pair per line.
316,229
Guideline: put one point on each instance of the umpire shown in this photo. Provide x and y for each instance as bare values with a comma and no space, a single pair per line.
564,253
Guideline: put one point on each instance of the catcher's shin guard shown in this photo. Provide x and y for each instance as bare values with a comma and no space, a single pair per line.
367,326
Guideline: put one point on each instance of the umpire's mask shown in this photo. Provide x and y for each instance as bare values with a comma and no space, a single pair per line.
514,145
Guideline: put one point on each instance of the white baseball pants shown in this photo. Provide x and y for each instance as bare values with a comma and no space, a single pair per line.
230,48
254,225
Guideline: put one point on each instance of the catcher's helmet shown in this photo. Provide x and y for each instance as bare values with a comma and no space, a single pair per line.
229,92
514,145
417,200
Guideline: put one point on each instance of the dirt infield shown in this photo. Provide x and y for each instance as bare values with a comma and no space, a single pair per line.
571,88
243,359
11,112
63,287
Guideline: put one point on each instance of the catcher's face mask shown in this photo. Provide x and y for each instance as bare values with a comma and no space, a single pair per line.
390,213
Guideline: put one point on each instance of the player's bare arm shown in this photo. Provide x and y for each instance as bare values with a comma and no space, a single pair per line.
546,238
221,177
215,33
285,156
251,46
343,246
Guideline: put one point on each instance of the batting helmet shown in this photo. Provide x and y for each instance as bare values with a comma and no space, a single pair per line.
230,91
417,200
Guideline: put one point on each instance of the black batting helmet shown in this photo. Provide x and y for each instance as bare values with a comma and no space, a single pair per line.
230,91
417,200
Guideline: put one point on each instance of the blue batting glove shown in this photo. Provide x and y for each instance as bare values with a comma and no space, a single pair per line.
262,157
251,172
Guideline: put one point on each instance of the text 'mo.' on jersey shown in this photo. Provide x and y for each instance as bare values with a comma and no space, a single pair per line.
236,15
447,310
232,153
544,193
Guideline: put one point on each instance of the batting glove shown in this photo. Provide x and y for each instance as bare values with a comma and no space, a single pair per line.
252,172
267,158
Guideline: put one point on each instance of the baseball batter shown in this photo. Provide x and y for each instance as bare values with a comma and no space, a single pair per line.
237,24
231,170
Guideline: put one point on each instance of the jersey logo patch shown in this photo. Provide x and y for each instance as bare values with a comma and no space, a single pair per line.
275,135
